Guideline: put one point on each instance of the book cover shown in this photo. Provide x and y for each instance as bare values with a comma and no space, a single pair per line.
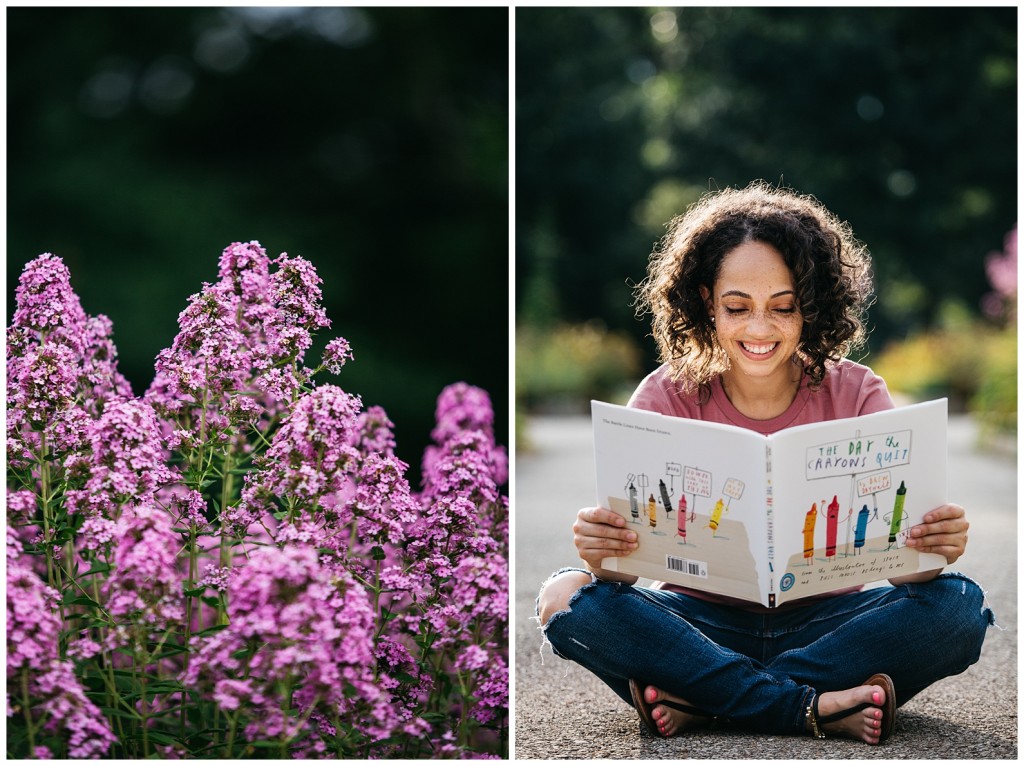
807,510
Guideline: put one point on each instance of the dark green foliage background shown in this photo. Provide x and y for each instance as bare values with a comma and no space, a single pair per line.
376,150
902,121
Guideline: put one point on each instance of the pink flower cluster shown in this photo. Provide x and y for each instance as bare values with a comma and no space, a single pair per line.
336,354
462,408
124,462
338,613
311,454
145,585
40,685
1001,269
299,634
61,364
238,355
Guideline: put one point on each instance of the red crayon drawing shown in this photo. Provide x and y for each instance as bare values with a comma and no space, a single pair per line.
831,527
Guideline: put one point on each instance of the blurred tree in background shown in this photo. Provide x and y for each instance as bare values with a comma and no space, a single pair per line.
373,142
900,120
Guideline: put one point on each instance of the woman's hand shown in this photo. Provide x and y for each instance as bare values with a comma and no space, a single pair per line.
599,533
943,531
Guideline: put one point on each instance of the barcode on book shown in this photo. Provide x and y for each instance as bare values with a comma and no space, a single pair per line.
686,566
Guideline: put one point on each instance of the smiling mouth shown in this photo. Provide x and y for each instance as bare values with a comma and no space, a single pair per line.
759,349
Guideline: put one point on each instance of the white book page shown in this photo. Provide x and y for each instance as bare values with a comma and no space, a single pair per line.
694,492
847,493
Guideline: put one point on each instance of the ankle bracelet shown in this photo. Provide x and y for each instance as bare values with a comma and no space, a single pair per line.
811,715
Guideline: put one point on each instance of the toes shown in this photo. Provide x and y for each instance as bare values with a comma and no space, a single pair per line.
666,720
665,723
867,725
873,725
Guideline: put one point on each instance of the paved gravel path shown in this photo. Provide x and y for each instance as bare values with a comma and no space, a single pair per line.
562,712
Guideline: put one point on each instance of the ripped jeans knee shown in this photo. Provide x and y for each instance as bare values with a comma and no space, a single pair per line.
558,592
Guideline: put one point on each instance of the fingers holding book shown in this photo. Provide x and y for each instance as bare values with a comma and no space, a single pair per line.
944,531
599,533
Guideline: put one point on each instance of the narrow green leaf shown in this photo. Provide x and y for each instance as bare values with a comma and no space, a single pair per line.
160,738
121,713
99,568
80,601
211,630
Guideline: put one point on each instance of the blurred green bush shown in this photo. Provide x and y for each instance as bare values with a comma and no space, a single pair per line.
972,361
969,361
563,367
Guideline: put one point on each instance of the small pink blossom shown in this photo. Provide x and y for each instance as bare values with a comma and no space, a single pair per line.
336,354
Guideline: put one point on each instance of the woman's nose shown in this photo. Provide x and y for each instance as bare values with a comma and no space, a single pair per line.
760,321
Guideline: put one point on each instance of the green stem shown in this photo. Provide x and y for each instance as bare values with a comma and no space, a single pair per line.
113,698
193,565
202,415
144,704
231,733
44,488
227,489
465,689
286,703
27,707
376,602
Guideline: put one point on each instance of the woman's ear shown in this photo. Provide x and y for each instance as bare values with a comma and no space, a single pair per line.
705,295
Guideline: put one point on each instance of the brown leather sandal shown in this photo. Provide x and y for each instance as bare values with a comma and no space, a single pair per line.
888,709
644,708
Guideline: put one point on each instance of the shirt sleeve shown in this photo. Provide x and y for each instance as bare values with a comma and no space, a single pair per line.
651,394
874,395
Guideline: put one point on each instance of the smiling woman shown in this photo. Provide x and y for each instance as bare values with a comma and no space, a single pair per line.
758,295
758,324
796,257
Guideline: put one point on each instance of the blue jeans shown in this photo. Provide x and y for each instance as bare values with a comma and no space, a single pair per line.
762,670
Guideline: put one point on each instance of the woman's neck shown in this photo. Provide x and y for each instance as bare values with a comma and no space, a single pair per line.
763,398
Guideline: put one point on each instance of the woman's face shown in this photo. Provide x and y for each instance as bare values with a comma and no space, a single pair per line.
756,313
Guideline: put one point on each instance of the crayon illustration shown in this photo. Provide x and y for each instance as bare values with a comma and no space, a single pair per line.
634,504
862,528
716,516
832,525
809,522
652,511
664,497
681,519
897,514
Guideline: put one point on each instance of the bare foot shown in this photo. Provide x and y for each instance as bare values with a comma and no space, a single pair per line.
669,720
865,724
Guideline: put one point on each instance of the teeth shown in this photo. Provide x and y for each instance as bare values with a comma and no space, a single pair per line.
759,349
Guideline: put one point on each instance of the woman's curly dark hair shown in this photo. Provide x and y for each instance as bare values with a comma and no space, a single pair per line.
831,270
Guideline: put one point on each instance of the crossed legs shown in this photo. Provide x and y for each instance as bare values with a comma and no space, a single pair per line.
763,671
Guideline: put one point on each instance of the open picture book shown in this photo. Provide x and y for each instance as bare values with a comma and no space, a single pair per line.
807,510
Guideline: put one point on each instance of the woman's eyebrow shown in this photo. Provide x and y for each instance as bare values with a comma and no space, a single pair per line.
745,295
